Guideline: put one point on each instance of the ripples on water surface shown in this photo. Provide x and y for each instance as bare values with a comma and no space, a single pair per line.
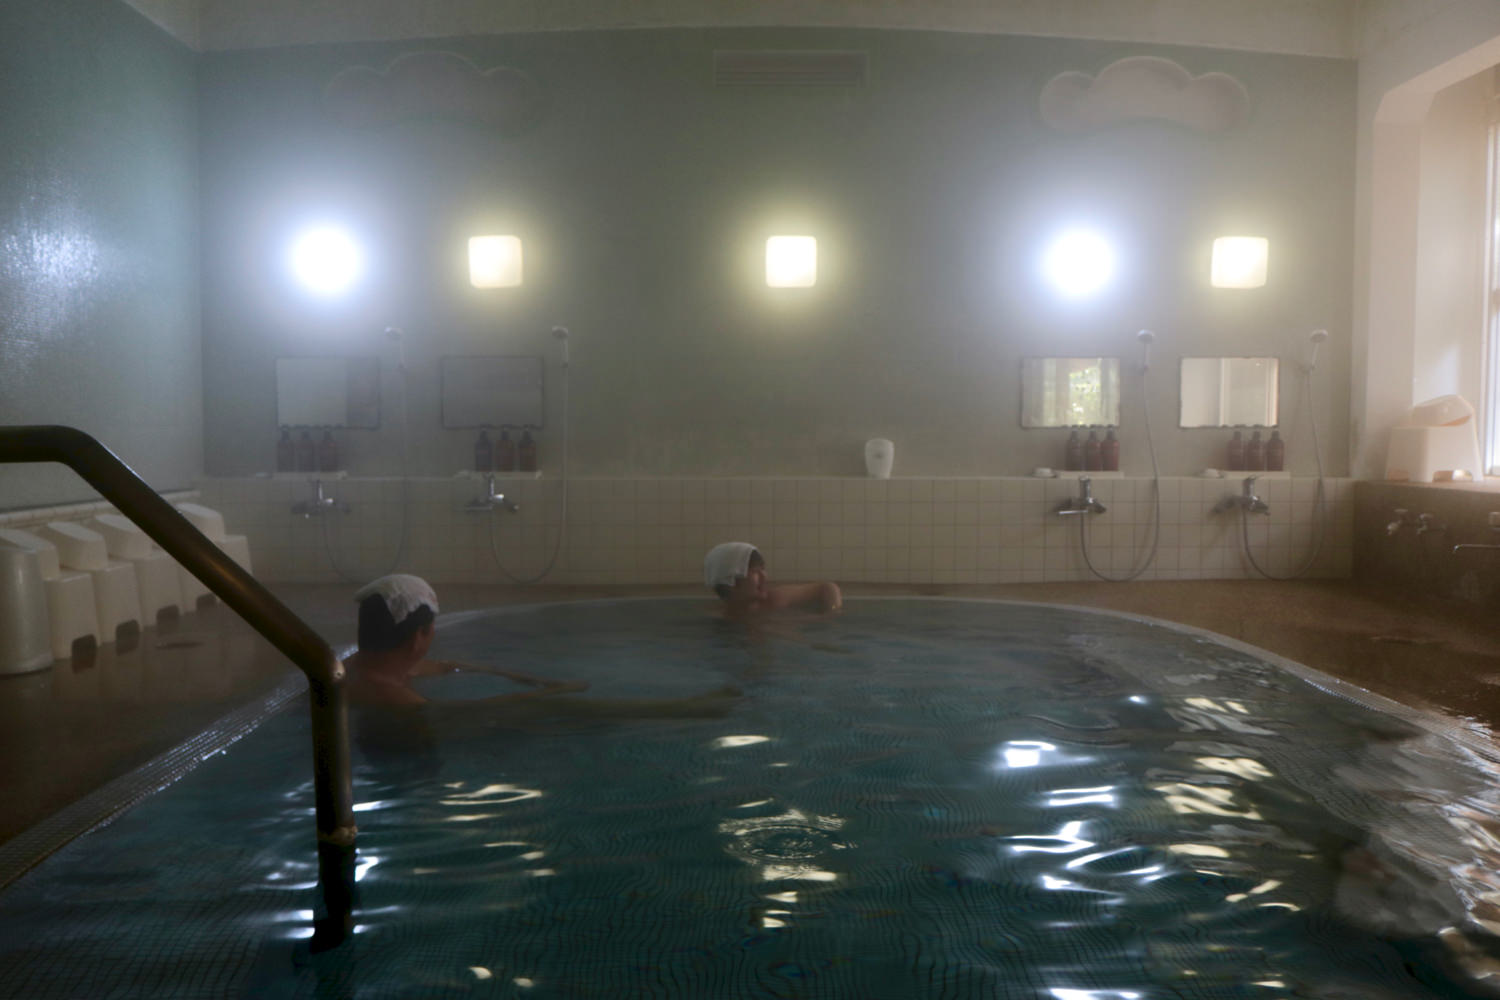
914,799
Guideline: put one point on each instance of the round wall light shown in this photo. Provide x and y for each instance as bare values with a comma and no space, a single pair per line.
1079,262
326,260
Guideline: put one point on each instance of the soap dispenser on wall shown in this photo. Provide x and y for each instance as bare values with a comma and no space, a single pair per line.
1255,454
505,452
1093,456
1073,453
1275,453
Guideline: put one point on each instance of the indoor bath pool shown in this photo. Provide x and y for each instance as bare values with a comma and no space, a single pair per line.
916,798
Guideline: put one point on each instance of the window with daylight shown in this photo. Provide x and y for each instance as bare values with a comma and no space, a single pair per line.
1490,427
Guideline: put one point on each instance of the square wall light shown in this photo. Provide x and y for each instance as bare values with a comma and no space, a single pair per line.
495,261
1239,262
791,261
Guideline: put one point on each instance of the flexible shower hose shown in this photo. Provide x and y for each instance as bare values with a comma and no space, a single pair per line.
328,547
562,528
1320,518
1083,519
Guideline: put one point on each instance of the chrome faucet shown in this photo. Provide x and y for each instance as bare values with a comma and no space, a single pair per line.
491,499
1494,527
319,505
1085,504
1246,501
1427,522
1403,518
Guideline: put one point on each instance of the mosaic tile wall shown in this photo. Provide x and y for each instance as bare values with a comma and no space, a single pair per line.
633,531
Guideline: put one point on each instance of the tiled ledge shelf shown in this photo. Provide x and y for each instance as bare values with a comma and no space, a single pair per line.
30,517
900,530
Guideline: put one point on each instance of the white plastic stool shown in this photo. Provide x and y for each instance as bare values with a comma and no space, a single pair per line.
25,629
237,547
70,596
116,599
155,571
210,522
1440,435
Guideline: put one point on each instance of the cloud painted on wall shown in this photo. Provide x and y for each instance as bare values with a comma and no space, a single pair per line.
1144,87
433,85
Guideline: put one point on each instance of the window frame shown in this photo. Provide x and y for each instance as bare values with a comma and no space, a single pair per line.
1489,443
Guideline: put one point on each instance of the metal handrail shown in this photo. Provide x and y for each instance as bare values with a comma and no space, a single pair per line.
332,776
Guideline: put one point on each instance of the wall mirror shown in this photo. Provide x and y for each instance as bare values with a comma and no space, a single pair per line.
1229,392
1070,392
328,392
491,391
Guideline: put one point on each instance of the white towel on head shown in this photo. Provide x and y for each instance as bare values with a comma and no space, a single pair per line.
727,562
402,593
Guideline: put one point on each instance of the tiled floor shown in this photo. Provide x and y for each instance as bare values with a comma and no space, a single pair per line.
66,730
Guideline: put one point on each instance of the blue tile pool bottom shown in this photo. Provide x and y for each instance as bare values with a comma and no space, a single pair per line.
916,798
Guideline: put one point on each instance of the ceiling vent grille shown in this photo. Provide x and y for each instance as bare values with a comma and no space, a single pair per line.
805,68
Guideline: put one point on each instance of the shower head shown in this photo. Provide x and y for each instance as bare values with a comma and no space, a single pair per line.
1316,337
1146,337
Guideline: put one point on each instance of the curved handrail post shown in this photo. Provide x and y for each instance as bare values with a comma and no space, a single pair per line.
332,773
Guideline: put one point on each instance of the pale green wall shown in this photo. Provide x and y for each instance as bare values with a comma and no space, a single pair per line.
645,194
99,322
1448,339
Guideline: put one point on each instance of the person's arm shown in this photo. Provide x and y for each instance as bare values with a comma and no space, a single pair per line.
542,685
826,595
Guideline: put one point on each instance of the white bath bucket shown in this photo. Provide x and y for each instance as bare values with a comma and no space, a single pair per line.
880,455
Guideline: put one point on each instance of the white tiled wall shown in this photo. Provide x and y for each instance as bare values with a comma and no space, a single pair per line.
992,530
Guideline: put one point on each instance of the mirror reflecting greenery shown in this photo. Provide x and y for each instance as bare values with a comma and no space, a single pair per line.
1229,392
1070,392
328,392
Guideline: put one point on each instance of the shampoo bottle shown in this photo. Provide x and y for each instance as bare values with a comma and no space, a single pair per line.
1235,460
1110,451
307,453
1073,454
286,452
1275,453
483,454
505,453
526,452
1092,457
1255,454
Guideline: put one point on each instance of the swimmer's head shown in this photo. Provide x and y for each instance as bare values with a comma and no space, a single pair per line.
392,610
735,570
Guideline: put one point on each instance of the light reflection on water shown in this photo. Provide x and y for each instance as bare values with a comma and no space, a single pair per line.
921,800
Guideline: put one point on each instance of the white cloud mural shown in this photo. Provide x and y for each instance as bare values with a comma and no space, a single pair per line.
433,85
1144,87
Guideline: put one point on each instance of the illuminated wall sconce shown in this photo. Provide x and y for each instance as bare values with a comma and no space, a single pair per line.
1239,262
326,260
495,261
1079,263
791,261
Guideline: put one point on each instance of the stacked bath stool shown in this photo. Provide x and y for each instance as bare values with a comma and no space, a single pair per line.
76,577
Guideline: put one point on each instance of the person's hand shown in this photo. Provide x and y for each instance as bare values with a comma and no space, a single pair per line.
833,598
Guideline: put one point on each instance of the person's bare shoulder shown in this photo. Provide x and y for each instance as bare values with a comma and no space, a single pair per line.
824,596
